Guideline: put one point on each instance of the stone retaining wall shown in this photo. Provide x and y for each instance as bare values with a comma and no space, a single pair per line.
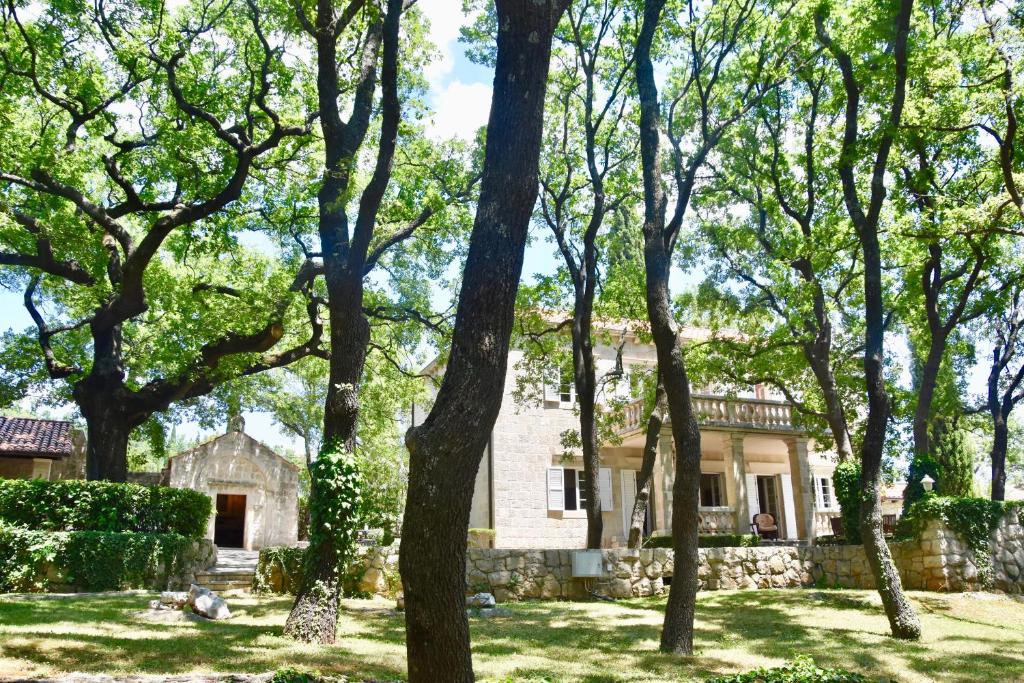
200,554
939,560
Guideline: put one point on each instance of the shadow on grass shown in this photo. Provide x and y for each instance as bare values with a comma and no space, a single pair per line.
541,641
103,634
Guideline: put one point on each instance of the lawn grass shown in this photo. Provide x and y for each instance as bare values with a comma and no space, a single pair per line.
966,638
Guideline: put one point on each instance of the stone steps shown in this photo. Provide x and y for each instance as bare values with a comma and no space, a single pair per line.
235,570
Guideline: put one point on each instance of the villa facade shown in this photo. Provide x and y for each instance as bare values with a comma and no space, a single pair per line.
753,459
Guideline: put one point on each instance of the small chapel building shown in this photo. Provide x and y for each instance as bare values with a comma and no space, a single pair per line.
254,490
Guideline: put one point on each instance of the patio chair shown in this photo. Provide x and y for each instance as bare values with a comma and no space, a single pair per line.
837,525
888,524
765,526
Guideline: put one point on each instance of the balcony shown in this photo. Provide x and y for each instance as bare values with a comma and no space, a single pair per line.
718,411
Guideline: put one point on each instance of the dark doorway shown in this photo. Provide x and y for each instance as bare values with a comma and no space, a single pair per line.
229,525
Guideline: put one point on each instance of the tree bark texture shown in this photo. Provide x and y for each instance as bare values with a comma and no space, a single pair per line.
314,615
445,450
649,457
677,633
902,620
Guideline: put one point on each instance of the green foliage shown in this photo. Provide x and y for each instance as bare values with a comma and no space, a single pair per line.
284,561
950,464
336,506
709,541
800,670
300,674
77,505
972,518
89,560
846,479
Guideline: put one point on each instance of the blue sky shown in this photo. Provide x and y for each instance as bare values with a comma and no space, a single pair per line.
460,94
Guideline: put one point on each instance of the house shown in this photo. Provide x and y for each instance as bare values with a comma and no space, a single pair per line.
754,459
255,491
31,448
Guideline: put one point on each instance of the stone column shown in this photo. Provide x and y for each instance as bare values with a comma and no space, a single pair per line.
739,477
803,493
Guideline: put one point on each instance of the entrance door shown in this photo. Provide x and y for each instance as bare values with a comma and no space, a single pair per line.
229,525
768,498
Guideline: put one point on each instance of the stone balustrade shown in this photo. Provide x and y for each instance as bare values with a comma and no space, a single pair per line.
717,520
719,411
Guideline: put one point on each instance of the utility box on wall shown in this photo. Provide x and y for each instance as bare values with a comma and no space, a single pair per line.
587,564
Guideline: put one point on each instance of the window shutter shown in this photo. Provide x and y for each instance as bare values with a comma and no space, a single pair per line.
628,498
752,500
788,506
556,488
606,490
819,494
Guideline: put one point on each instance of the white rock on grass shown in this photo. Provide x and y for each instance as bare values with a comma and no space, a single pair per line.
480,600
176,599
206,603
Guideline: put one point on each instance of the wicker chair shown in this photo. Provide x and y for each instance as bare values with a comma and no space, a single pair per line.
765,526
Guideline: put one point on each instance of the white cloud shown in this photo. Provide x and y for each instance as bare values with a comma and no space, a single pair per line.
445,18
459,110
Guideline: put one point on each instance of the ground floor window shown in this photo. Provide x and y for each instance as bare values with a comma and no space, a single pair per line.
575,489
826,499
712,493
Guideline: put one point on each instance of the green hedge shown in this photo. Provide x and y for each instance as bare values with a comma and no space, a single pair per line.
87,560
76,505
846,479
709,541
800,670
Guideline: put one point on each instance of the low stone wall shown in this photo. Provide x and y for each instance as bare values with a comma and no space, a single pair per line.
200,554
940,560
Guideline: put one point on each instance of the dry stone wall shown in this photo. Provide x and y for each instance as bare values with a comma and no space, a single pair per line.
940,560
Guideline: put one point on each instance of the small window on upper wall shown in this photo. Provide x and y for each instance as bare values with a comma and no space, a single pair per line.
712,493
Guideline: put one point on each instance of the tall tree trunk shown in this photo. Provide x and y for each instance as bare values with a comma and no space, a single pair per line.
818,356
650,456
314,615
445,450
1000,439
926,394
902,620
108,432
677,633
585,378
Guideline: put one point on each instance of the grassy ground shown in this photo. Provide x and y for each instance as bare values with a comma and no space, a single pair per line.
967,638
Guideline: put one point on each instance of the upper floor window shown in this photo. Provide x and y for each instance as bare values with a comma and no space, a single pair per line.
711,490
560,385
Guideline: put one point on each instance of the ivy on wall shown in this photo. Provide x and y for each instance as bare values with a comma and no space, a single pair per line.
974,519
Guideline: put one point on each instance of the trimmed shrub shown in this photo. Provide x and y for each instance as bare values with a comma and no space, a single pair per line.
800,670
77,505
89,560
709,541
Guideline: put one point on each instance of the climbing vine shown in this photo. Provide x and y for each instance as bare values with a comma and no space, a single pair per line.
846,479
972,518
